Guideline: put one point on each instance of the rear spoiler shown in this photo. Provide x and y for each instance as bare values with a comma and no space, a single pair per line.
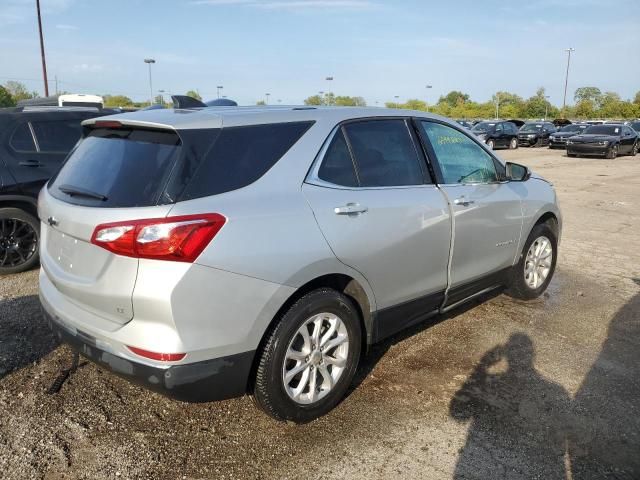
184,101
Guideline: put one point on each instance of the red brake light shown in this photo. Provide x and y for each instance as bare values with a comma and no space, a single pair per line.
162,357
178,239
107,124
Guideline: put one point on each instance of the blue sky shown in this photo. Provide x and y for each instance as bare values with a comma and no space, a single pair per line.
373,48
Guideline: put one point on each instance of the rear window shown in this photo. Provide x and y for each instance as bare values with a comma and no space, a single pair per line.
117,168
241,155
139,168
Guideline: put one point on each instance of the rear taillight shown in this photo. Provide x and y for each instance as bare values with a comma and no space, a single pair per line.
178,239
162,357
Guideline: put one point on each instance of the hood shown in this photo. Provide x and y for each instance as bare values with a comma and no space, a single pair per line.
592,138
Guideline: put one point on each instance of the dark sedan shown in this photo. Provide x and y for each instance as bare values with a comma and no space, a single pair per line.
535,134
559,138
608,141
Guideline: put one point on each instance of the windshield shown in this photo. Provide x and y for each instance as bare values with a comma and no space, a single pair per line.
484,127
636,126
531,127
603,130
573,128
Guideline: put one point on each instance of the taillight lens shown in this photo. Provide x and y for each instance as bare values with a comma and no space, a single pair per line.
162,357
178,239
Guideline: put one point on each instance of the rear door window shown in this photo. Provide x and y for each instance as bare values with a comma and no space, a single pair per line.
385,154
57,136
120,167
337,166
22,140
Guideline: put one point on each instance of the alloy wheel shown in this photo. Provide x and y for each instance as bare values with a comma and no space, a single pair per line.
18,242
316,358
538,262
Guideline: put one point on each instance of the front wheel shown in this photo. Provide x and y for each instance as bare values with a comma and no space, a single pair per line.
491,144
635,149
612,153
532,274
19,238
309,359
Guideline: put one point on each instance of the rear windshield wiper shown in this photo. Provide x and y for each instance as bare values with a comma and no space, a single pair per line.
80,192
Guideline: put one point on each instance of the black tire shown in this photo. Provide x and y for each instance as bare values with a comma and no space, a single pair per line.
572,155
491,144
612,153
513,144
518,287
269,391
19,241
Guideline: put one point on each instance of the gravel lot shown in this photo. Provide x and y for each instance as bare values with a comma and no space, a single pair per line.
499,389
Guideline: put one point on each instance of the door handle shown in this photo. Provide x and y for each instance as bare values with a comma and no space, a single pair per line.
463,202
30,163
350,209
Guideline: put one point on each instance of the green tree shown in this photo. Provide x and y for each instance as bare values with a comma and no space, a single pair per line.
454,98
313,100
117,101
610,105
193,94
537,106
19,91
636,99
585,109
346,101
592,94
261,102
6,100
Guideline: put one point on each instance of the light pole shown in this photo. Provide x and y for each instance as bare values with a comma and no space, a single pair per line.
44,62
497,105
428,87
397,103
149,61
218,88
329,79
267,95
161,92
566,78
546,106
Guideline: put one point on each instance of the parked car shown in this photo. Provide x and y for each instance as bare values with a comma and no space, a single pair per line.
497,134
608,140
465,124
559,139
535,134
249,256
33,143
635,124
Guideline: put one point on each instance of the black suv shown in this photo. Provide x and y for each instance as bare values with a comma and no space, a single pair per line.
33,144
497,134
535,134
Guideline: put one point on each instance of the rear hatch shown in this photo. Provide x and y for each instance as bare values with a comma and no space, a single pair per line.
113,175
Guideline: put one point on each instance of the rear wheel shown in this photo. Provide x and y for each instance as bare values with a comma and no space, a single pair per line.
309,359
19,237
513,144
571,155
532,274
491,144
634,150
613,152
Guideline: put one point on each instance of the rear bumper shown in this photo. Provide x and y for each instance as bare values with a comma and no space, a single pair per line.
209,380
587,149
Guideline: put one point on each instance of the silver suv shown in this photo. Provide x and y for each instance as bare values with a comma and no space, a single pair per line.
210,253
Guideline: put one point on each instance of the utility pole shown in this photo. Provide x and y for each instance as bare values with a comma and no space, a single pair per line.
566,79
428,87
497,105
149,61
44,62
546,106
267,96
218,88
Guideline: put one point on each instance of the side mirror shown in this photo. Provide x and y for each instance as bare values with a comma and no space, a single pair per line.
517,172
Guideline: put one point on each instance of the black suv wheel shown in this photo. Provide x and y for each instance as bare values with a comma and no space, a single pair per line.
19,238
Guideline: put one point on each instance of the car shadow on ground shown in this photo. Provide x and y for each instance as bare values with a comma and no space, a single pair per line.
522,425
24,335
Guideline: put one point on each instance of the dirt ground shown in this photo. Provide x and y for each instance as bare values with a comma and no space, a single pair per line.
498,389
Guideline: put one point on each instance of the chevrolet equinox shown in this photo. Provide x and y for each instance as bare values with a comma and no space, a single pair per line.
209,253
